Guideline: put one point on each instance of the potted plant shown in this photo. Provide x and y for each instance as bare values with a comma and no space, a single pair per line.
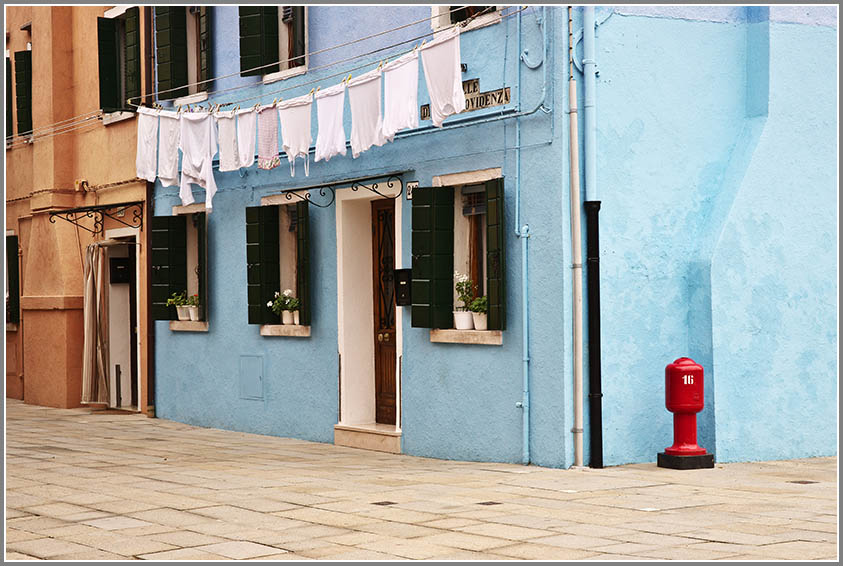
286,305
193,307
179,300
293,305
478,308
465,290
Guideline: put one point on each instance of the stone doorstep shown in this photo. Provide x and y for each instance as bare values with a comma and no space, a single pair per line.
368,437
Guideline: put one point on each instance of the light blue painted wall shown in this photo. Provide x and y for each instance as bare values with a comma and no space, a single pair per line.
717,241
444,387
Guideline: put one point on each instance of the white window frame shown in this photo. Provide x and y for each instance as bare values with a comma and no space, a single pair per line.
283,54
109,118
440,18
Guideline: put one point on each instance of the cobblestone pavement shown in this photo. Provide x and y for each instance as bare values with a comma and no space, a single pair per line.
87,486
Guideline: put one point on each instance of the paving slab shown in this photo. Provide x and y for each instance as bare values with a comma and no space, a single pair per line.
109,485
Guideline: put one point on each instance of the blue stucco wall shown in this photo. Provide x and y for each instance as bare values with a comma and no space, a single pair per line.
716,137
712,244
445,387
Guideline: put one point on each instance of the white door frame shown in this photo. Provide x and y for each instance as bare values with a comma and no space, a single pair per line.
133,233
352,409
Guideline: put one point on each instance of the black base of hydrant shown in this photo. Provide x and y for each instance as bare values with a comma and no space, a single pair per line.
685,462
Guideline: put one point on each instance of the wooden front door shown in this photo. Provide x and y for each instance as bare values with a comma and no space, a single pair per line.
383,263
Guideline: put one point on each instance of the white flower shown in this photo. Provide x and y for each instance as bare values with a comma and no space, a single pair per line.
288,292
269,304
276,293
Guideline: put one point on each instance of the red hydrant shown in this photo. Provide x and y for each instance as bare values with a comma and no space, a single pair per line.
683,382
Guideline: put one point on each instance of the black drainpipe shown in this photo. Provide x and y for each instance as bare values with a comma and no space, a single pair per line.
595,394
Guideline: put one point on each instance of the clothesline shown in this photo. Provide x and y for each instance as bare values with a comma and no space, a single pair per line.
290,59
334,63
199,135
66,125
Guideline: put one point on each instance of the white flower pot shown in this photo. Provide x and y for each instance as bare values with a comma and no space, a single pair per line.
287,317
479,320
183,313
463,320
195,312
296,317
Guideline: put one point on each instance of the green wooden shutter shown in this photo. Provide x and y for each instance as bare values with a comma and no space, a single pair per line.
169,263
132,67
258,40
495,256
303,261
204,46
109,65
433,257
201,219
23,90
299,32
263,270
171,50
10,129
13,303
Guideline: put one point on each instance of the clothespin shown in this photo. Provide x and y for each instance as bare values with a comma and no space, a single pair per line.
178,109
348,78
380,65
274,101
312,91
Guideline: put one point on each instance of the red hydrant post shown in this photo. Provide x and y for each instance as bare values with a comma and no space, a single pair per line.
683,383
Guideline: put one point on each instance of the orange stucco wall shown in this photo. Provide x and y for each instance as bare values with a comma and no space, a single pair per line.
41,178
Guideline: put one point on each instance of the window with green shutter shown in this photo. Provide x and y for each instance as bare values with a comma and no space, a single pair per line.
179,252
119,60
432,257
204,46
258,40
495,255
168,249
460,228
23,90
277,259
271,35
10,128
13,278
171,52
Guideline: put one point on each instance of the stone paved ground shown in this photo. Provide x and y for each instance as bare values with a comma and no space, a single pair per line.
83,486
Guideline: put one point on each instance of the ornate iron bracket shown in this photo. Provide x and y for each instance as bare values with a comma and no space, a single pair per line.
322,192
390,183
116,212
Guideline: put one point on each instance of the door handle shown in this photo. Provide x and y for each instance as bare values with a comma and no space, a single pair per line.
386,336
380,337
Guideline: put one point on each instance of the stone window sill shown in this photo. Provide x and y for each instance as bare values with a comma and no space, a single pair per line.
189,326
285,74
191,98
114,117
451,336
296,330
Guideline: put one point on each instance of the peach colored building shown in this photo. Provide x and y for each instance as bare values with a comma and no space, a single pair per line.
70,153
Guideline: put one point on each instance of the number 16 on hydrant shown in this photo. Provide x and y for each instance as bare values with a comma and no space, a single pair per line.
683,383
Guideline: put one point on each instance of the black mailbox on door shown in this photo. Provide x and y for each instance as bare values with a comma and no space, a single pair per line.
402,287
119,270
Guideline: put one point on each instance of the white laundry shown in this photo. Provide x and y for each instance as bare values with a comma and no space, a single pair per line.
246,133
364,97
198,146
441,63
329,114
146,159
295,130
268,138
227,127
401,94
169,130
